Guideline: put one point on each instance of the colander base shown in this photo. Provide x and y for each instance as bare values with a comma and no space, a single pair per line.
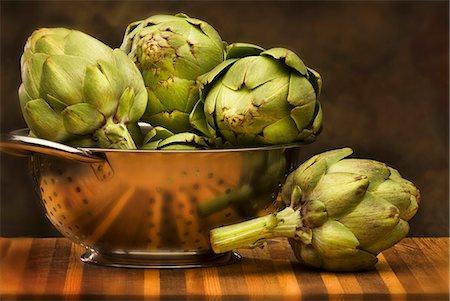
160,260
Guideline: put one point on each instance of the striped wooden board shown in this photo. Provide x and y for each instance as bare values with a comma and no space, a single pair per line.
36,268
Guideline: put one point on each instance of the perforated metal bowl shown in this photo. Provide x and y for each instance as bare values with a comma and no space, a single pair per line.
139,208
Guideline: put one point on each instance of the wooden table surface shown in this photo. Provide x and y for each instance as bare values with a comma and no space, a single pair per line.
48,268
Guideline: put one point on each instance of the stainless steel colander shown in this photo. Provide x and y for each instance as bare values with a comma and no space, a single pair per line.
140,208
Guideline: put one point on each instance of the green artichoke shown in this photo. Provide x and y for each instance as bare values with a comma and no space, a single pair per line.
75,88
341,213
161,138
171,52
259,97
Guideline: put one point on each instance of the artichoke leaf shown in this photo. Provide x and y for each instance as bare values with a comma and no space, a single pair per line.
301,91
45,122
371,219
333,239
360,260
390,239
198,120
316,81
240,50
377,172
290,58
98,91
82,118
340,192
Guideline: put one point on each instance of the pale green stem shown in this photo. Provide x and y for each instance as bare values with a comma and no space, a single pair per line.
252,233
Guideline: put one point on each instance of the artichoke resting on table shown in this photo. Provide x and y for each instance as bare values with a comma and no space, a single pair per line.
341,213
77,90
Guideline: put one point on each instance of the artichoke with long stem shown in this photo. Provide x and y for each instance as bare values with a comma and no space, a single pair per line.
341,213
75,88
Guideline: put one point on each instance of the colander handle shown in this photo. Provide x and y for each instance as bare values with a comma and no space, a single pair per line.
22,145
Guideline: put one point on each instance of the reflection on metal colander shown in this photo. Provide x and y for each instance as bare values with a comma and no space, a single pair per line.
155,209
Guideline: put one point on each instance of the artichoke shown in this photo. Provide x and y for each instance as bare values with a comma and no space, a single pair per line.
341,213
259,97
162,138
171,52
75,88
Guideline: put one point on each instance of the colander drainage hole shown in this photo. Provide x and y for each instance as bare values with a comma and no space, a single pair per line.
78,189
85,201
42,189
210,175
55,194
69,179
221,182
53,180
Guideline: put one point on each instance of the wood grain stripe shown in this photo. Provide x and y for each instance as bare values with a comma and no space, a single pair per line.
232,282
259,276
439,253
38,266
211,283
72,283
58,267
13,266
402,272
172,284
371,284
333,286
151,284
396,289
283,269
310,282
351,286
424,270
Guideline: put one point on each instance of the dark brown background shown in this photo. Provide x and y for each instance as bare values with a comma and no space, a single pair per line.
384,65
